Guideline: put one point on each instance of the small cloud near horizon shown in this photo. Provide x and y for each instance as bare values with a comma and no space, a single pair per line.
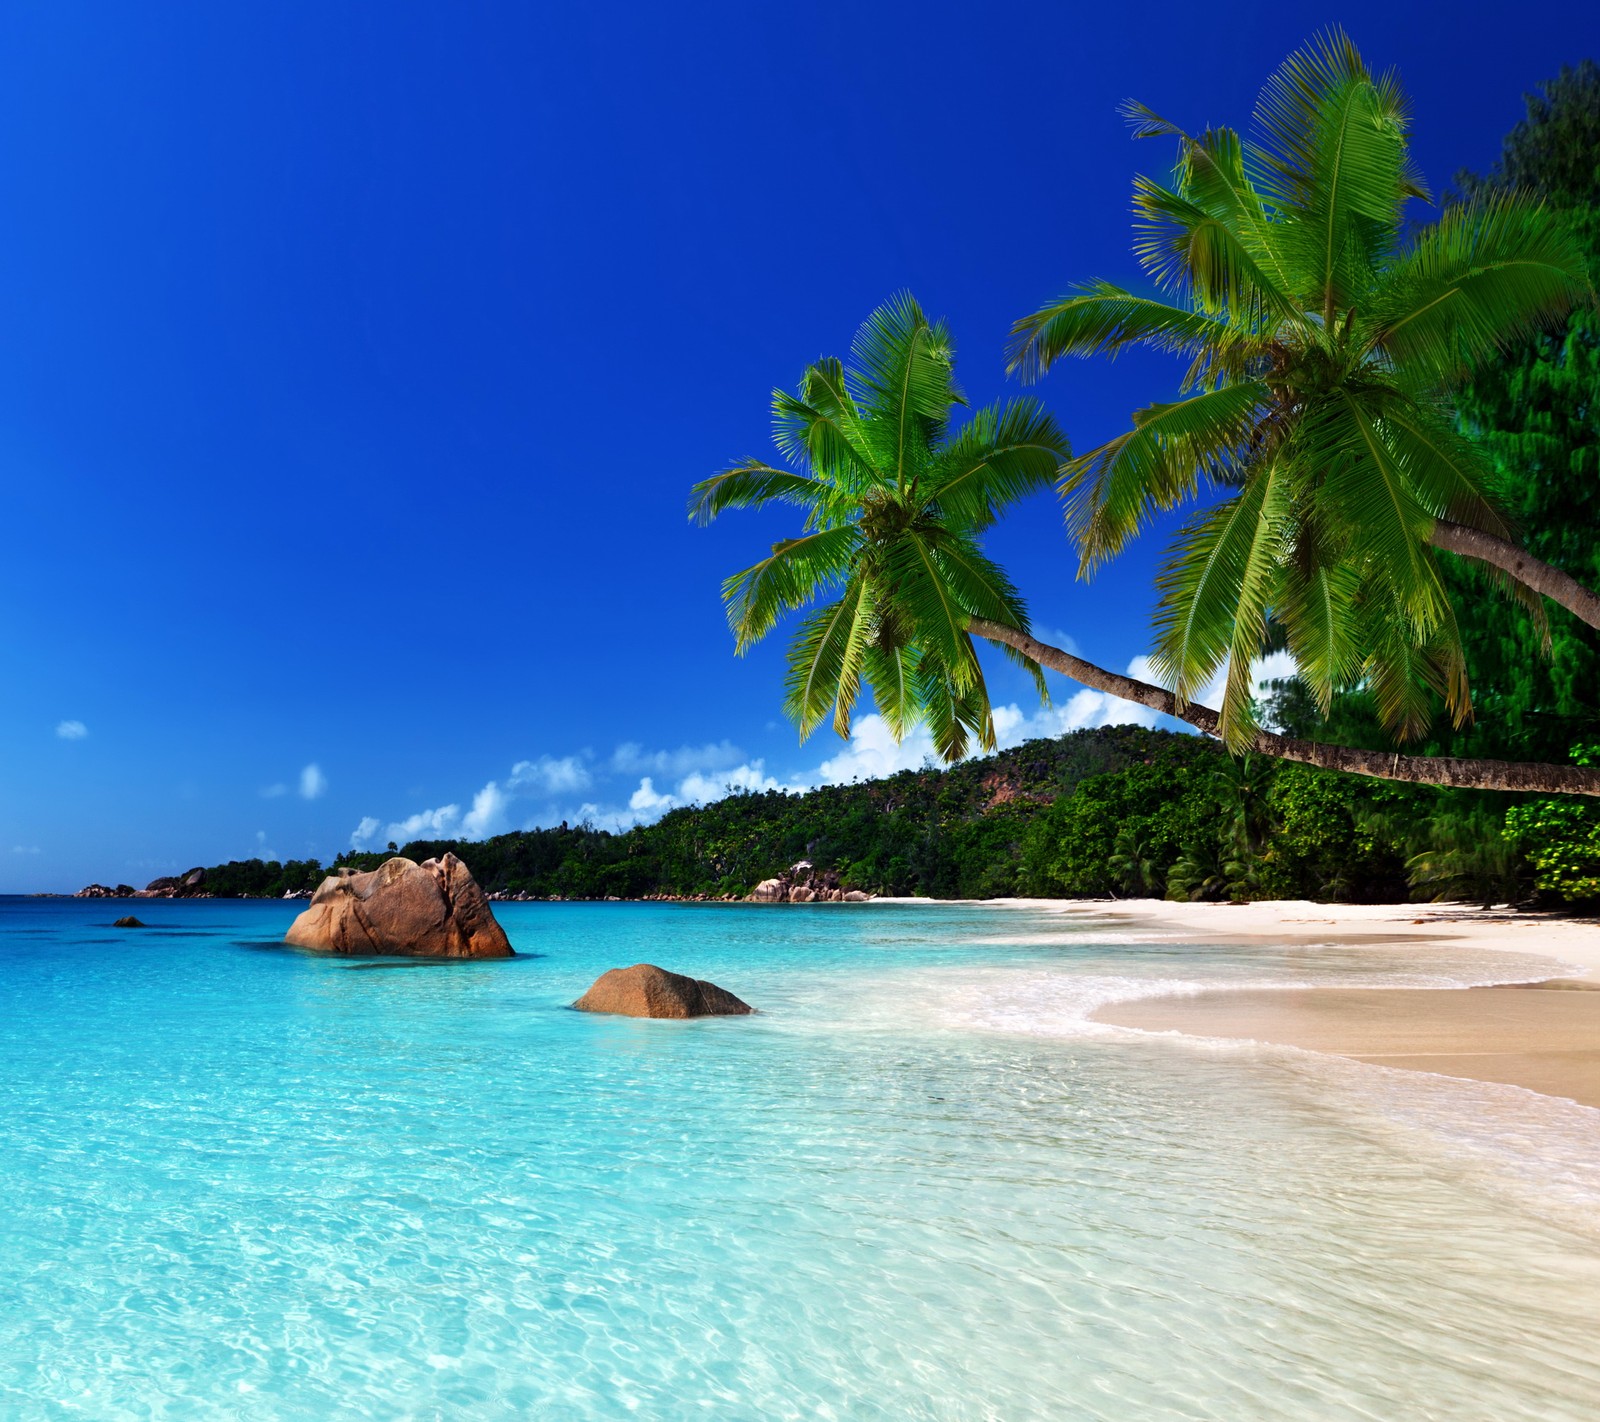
72,730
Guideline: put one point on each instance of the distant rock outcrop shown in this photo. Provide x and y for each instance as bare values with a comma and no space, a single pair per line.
177,886
128,921
429,910
805,884
645,990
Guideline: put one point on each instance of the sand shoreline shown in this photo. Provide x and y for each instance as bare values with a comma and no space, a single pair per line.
1540,1031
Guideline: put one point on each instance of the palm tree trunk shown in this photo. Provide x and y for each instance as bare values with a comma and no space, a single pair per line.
1524,567
1413,769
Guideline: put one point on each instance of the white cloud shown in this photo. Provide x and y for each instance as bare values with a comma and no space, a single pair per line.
630,758
363,831
1055,637
701,788
487,815
647,801
1088,708
72,730
438,823
550,776
873,752
313,783
1276,666
272,792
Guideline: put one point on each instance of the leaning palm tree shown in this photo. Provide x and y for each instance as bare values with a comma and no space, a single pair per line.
893,504
890,572
894,501
1315,427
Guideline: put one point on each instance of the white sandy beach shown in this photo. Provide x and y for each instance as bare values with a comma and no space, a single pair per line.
1543,1034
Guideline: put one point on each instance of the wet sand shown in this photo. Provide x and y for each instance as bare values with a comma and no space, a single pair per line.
1543,1034
1545,1037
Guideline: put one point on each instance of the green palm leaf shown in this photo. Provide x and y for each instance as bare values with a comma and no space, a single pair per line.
1004,454
787,579
753,485
825,662
1487,273
1099,318
1111,492
1217,576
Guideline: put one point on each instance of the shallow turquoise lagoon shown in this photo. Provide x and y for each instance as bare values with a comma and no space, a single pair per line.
243,1182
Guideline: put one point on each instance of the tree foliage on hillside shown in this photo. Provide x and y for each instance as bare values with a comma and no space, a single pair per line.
1116,811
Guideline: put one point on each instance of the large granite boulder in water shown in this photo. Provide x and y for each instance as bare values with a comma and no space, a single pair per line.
429,910
645,990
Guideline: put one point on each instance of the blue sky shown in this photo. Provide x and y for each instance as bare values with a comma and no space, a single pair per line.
355,362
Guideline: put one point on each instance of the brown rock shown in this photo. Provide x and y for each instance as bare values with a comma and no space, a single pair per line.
429,910
855,896
800,894
128,922
645,990
768,891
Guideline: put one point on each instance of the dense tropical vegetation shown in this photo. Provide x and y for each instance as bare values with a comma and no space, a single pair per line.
1119,810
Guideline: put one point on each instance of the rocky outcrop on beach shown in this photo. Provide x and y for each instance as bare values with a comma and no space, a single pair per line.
172,886
805,884
645,990
430,910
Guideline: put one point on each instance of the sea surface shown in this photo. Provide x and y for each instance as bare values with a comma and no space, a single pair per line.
237,1181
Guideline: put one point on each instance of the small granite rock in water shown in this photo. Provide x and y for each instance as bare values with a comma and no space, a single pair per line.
645,990
129,922
429,910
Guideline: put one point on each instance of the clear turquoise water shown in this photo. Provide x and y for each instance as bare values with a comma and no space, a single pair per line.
243,1182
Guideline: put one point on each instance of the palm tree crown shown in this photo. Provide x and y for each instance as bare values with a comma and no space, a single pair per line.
894,501
1322,343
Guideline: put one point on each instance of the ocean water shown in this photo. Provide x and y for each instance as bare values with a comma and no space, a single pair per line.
242,1182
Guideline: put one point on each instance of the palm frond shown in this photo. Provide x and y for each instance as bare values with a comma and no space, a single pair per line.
1111,492
904,366
1488,272
1189,249
1449,475
753,485
819,426
1367,486
920,590
984,590
1215,589
825,663
891,671
1002,454
1316,609
793,575
1337,167
1099,318
955,704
